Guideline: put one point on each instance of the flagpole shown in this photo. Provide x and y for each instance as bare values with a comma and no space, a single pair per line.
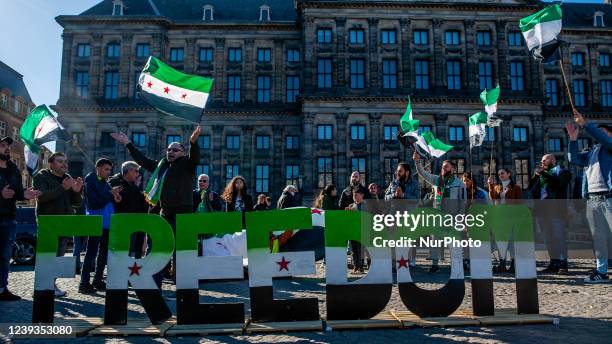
565,81
491,159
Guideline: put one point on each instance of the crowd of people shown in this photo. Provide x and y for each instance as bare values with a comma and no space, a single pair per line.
169,193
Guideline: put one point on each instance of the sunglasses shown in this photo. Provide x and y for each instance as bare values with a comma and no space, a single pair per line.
203,181
174,150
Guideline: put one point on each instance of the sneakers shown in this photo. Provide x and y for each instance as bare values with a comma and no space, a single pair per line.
87,289
6,295
597,277
99,285
433,269
58,292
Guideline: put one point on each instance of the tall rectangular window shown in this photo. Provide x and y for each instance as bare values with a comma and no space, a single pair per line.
176,54
356,36
262,178
489,167
139,139
292,142
517,76
231,171
82,84
485,74
201,169
515,39
292,174
389,73
204,141
234,54
263,89
324,172
358,132
604,60
113,50
554,144
293,55
490,134
262,142
324,73
388,37
453,75
172,138
359,165
421,70
451,37
424,128
579,88
357,72
233,89
521,171
552,92
606,93
324,36
324,132
264,54
232,142
390,166
206,55
519,134
293,88
421,37
143,50
455,133
459,166
483,38
390,132
84,50
111,85
577,59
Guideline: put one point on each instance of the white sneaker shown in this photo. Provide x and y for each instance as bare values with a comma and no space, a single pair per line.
597,277
59,292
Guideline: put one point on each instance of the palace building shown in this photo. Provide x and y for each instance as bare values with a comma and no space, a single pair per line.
307,91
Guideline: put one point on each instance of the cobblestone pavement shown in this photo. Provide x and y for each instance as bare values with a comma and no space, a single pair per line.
585,311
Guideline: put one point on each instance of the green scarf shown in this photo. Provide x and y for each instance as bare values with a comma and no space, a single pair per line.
203,206
442,190
155,185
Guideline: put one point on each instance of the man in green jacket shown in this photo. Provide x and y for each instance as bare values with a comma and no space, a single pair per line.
61,194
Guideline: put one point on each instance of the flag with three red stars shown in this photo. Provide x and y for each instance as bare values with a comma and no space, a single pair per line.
172,92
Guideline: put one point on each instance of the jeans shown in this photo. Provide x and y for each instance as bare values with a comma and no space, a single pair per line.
8,230
95,257
80,243
553,226
599,216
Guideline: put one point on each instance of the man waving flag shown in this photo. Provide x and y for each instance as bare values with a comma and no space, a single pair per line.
40,128
541,30
172,92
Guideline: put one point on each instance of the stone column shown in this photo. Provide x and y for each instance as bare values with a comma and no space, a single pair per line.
501,68
189,61
438,64
469,82
308,168
126,77
217,167
249,76
247,168
340,56
342,164
374,76
276,168
404,64
220,84
67,79
375,153
309,62
96,78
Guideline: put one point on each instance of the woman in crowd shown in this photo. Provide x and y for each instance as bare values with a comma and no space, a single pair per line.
236,197
262,203
473,192
327,198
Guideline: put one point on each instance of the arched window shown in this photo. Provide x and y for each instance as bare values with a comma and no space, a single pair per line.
208,13
264,13
117,7
598,19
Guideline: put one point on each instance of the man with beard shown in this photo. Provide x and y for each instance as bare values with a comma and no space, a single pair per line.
11,191
445,187
403,186
60,194
551,182
172,179
132,200
346,199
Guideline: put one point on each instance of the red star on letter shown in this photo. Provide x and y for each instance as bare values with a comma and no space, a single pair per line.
149,84
135,269
166,90
184,95
315,211
402,263
284,264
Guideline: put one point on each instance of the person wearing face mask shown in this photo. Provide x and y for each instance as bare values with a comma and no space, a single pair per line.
596,188
11,191
551,182
445,187
60,194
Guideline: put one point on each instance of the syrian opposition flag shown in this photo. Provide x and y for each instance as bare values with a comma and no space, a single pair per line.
410,126
489,99
430,146
172,92
541,30
477,128
40,128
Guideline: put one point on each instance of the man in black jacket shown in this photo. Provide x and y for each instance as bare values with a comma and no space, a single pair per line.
11,191
550,185
288,199
132,200
204,199
346,198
